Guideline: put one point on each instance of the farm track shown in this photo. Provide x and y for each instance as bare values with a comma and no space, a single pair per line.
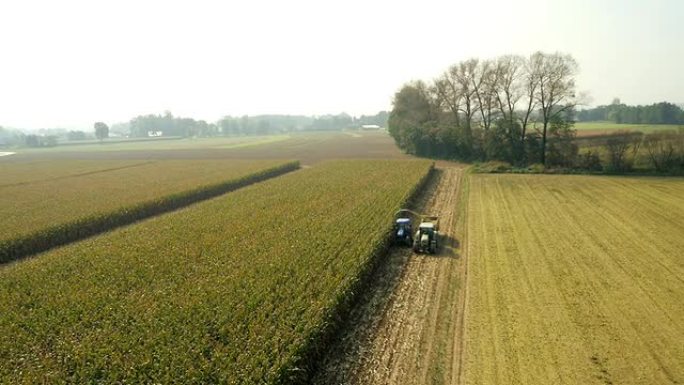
407,328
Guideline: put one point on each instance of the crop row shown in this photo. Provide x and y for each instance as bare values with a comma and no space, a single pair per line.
44,214
575,279
241,289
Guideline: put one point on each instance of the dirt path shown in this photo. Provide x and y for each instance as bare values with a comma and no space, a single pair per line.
408,327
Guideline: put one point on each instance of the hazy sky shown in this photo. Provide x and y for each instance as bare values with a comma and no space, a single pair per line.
69,63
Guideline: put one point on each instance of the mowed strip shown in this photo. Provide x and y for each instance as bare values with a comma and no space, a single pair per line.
575,279
237,289
83,199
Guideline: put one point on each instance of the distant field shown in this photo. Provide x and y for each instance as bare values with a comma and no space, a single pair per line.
575,279
43,170
599,128
171,144
308,147
236,290
49,200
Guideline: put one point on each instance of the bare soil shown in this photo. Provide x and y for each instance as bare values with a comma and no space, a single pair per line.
408,326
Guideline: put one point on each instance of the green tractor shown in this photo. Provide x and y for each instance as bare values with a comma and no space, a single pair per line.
426,239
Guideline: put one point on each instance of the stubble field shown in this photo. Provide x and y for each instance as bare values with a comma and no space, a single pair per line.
575,280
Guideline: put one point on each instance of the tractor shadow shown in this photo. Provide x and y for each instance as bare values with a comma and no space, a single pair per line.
449,247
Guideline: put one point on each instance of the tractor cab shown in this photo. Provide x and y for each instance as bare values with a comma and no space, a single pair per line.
403,231
427,228
403,224
425,240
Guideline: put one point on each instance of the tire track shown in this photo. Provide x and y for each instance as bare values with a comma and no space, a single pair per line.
407,328
446,209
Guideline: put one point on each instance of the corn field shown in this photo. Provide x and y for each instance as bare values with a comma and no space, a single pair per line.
79,200
240,289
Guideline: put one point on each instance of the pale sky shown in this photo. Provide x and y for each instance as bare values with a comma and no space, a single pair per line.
70,63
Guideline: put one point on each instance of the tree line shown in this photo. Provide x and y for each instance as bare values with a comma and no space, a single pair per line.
169,125
274,124
617,112
511,108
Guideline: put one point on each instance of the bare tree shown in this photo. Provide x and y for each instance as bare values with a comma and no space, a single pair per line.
507,91
485,83
555,94
617,146
661,149
448,95
530,85
456,93
463,74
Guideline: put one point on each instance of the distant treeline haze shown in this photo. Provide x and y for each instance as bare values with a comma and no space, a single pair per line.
249,125
169,125
658,113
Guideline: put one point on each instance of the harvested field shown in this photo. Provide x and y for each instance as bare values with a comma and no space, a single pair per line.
239,289
51,203
575,279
